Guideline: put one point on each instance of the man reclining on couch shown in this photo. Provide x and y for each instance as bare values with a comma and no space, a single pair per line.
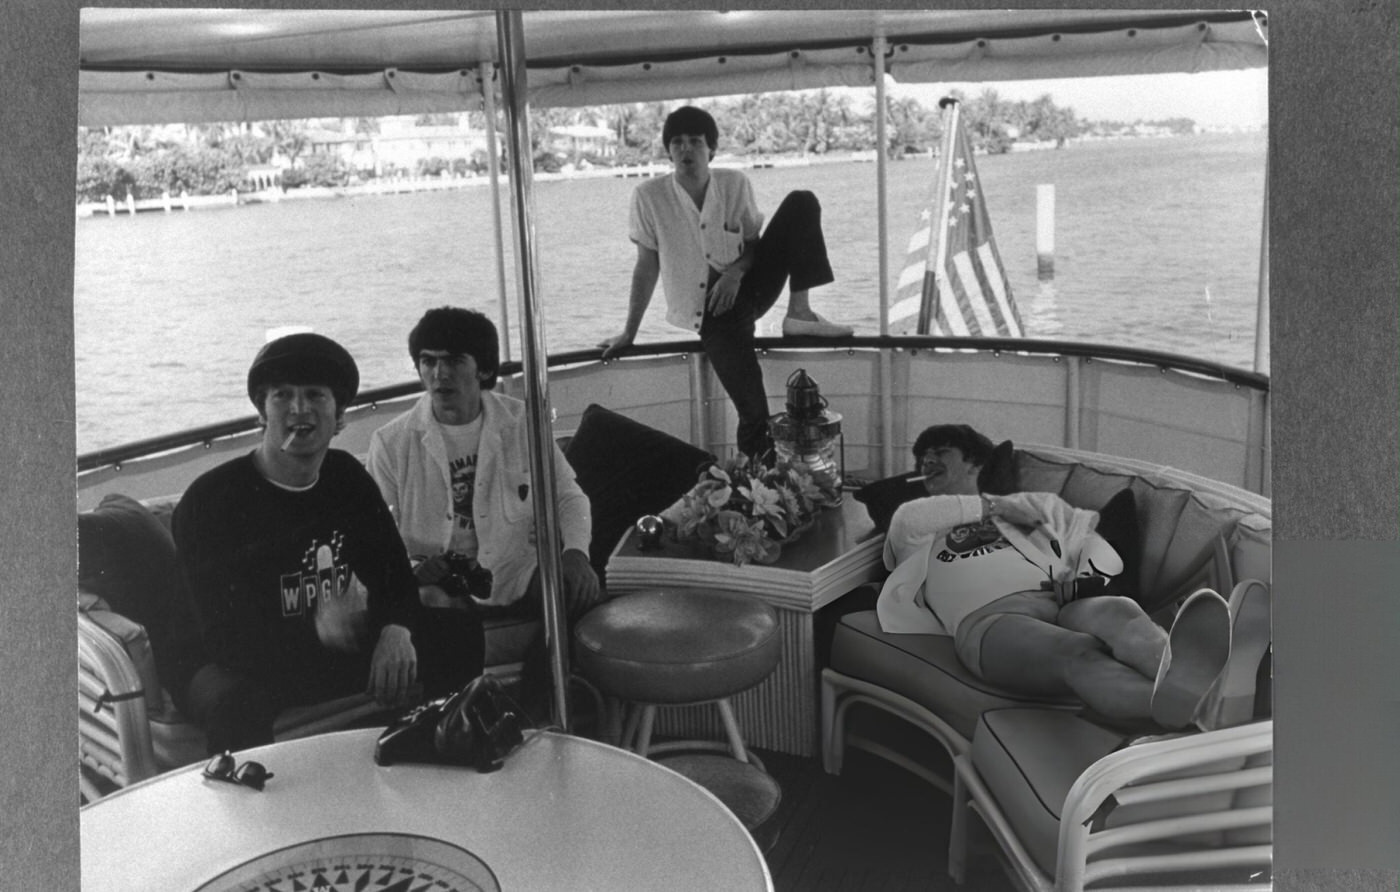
1001,573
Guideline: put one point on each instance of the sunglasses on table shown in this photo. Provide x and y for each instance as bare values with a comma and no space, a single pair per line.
224,768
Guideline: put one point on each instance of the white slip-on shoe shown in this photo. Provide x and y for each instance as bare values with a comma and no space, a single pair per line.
1231,701
821,327
1197,651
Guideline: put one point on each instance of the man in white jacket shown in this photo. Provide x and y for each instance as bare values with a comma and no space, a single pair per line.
999,573
455,472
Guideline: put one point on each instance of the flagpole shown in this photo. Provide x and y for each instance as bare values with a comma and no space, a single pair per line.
945,174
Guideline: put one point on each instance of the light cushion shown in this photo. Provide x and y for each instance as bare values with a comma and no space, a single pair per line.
133,638
627,469
1030,758
923,668
676,646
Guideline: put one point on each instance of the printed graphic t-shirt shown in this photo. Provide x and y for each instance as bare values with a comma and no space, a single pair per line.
258,560
463,444
971,566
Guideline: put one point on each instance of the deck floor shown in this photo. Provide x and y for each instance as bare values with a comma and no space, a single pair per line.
873,827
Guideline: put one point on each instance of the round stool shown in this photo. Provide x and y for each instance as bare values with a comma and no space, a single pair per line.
678,647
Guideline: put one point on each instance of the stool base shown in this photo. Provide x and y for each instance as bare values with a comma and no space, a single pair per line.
745,789
637,735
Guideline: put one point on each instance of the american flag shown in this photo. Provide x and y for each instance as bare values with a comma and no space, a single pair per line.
956,285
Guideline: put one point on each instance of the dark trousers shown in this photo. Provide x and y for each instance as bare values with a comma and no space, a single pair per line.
237,709
791,251
535,669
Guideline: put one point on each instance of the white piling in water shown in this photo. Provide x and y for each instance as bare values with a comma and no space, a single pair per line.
165,199
111,205
1045,231
131,204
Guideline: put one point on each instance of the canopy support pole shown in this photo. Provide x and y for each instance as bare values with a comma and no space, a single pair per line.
1261,313
886,459
493,163
510,35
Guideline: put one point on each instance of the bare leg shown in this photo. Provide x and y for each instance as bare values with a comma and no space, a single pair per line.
1130,635
1025,654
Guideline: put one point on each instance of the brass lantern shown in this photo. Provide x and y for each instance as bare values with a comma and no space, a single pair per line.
808,434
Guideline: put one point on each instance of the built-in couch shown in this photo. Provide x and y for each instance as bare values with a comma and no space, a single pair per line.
1073,802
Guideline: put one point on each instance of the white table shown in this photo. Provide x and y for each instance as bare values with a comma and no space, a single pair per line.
563,813
839,552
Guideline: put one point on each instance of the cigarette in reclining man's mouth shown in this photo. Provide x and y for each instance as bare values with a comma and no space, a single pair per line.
291,435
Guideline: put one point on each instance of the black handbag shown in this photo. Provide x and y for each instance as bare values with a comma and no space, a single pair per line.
478,727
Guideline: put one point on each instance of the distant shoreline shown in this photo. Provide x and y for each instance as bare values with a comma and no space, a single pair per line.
400,185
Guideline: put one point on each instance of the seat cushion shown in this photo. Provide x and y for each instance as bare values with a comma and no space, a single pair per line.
133,639
508,637
923,668
678,645
1030,758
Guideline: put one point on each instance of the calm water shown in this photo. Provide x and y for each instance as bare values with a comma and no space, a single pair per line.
1156,245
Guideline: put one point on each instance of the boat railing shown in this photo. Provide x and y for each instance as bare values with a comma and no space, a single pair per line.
1079,395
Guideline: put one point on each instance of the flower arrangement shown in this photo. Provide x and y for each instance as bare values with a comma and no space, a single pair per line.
747,511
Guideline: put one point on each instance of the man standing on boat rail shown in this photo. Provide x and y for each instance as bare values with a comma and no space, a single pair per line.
295,572
454,470
698,232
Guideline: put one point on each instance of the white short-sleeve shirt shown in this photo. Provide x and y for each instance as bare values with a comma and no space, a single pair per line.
691,240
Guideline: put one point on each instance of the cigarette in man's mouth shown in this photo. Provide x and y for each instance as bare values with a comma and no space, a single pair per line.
291,435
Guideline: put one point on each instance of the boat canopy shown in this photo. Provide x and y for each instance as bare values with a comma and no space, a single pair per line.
154,66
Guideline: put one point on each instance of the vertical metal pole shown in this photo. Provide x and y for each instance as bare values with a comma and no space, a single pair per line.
1072,402
493,164
510,36
1261,319
881,173
886,458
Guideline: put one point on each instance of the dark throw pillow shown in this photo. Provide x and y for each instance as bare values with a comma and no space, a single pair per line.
998,475
882,497
628,469
1118,525
127,557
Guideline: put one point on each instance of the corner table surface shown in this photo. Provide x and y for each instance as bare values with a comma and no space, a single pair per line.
840,550
562,813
